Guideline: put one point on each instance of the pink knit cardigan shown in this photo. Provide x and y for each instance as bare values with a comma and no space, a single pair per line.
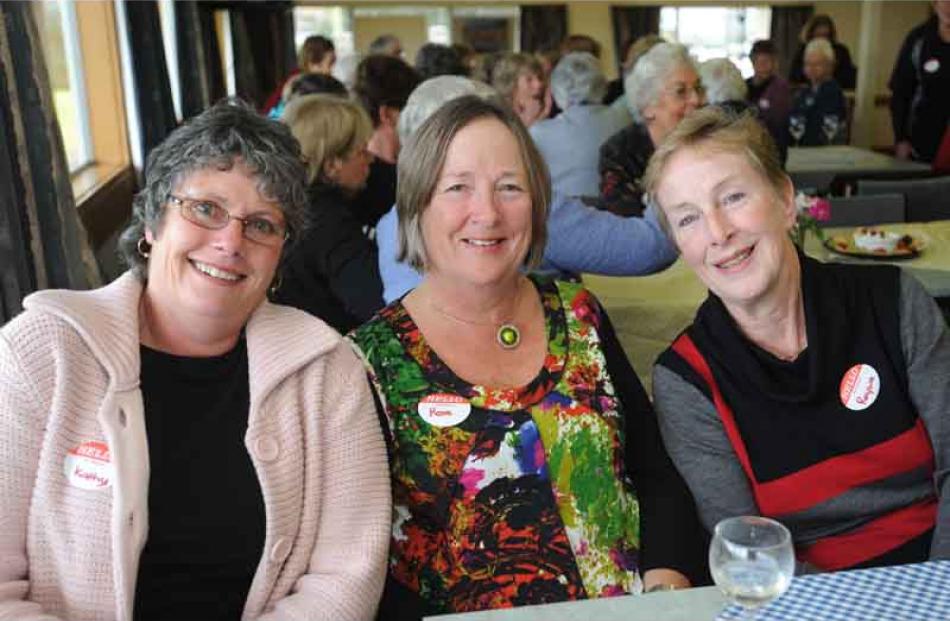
69,377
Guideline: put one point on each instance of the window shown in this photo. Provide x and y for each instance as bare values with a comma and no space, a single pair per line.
716,32
59,34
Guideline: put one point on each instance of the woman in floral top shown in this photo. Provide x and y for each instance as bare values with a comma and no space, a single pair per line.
526,462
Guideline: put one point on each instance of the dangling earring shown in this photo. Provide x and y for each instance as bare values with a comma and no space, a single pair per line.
275,285
143,247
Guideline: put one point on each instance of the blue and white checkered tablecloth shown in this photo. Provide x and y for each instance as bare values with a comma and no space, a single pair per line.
919,592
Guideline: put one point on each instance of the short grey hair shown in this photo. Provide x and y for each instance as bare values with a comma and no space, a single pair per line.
578,79
722,81
644,84
820,46
432,95
226,134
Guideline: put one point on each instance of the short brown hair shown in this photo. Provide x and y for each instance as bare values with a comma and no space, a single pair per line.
313,50
716,129
580,43
327,127
423,157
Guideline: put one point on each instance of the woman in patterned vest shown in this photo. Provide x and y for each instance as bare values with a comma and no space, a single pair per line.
526,461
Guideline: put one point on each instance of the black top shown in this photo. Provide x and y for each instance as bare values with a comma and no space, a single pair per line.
920,83
817,103
199,559
623,161
333,271
846,74
378,196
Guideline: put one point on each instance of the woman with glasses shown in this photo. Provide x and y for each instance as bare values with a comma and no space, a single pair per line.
663,87
172,445
334,272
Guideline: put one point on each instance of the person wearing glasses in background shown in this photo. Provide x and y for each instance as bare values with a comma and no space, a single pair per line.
173,446
663,87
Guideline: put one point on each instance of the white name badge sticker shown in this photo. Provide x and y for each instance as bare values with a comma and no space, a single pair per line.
932,65
89,466
764,104
444,410
859,387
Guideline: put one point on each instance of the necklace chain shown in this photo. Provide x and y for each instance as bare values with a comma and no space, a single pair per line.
507,334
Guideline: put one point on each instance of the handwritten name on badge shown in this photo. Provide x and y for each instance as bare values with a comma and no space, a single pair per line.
859,387
444,410
89,466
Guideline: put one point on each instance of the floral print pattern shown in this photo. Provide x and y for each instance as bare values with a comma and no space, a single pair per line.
526,501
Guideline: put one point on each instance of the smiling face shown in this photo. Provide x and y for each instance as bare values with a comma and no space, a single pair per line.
681,93
529,86
477,226
196,274
730,224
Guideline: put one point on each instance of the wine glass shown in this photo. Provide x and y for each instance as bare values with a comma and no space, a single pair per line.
829,125
796,127
751,560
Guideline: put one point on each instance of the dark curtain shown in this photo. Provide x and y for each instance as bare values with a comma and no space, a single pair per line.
787,22
42,243
199,59
153,95
629,24
543,26
263,42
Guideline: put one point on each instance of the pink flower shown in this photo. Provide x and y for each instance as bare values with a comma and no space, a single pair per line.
820,210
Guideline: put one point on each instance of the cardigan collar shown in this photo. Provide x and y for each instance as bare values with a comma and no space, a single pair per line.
280,340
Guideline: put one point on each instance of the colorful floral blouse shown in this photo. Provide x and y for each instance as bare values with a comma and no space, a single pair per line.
516,496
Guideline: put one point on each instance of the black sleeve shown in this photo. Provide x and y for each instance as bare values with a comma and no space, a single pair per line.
796,74
845,71
671,535
338,249
379,195
903,83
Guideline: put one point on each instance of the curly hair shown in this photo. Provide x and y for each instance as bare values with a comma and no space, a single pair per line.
226,134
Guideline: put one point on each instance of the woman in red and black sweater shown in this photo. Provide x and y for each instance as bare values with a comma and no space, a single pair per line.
814,394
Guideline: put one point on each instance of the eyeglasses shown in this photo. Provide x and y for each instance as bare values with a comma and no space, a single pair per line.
209,215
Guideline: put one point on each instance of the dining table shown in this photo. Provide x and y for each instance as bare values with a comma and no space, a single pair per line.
648,312
815,168
914,592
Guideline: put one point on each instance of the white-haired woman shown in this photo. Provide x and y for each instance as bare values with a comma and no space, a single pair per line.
723,84
570,142
663,87
822,103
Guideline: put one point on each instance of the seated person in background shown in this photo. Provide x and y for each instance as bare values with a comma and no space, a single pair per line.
812,393
769,93
526,463
821,103
383,83
823,27
434,59
386,45
663,88
174,444
635,50
580,238
724,85
317,55
519,79
379,191
570,142
580,43
333,273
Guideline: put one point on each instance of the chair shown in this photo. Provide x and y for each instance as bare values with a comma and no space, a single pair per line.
865,210
926,199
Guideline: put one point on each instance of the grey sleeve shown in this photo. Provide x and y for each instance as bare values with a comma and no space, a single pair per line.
586,239
697,443
926,345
